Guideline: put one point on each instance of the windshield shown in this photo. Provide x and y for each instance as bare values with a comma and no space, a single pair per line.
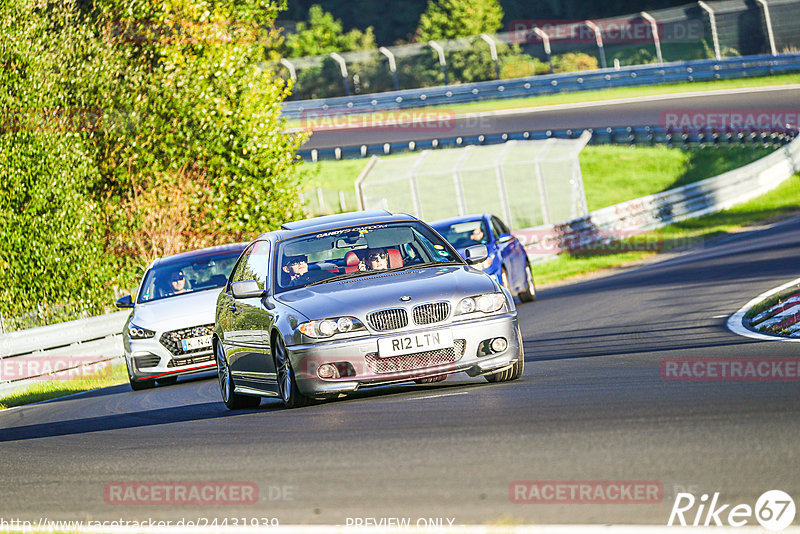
465,233
193,274
357,251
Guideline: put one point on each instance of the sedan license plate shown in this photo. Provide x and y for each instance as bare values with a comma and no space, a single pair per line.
411,343
193,343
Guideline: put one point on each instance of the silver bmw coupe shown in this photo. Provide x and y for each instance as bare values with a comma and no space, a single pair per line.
326,306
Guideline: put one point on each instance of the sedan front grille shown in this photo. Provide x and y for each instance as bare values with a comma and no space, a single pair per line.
431,313
419,360
172,340
388,319
178,362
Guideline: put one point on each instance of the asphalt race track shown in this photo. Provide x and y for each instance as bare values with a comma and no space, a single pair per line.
592,405
646,111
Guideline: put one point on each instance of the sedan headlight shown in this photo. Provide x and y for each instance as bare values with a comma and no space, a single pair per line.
487,303
329,327
137,332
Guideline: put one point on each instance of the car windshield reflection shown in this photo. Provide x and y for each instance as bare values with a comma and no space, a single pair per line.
357,251
188,276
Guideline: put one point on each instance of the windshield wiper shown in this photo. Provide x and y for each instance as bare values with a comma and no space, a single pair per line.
342,276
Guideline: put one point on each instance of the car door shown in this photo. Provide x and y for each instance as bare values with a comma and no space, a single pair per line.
509,249
248,322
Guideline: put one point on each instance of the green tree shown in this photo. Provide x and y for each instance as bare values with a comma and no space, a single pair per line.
322,34
102,101
450,19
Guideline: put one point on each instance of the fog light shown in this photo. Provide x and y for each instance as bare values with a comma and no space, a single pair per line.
327,370
499,344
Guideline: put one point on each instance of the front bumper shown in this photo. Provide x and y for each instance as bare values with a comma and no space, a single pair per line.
148,359
360,356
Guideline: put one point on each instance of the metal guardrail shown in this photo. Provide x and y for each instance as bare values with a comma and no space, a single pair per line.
683,71
633,135
633,217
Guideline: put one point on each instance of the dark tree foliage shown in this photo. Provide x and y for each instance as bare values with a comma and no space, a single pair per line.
394,20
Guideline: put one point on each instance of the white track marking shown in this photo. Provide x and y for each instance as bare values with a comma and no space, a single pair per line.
735,321
442,395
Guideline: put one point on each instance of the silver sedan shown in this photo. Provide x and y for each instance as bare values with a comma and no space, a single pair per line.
326,306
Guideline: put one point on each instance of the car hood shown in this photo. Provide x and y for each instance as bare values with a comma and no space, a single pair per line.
359,296
179,311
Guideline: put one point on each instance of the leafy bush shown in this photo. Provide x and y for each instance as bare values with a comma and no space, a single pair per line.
124,118
572,61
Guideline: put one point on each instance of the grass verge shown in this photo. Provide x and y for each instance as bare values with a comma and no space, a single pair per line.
768,303
782,201
52,389
601,95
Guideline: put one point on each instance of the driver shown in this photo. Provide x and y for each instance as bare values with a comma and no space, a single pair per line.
297,268
177,282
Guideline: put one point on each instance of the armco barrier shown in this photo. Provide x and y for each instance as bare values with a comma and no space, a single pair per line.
85,341
632,135
655,211
683,71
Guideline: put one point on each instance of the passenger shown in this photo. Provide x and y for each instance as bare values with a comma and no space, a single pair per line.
377,260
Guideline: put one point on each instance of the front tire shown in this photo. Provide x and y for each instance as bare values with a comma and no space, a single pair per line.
233,401
287,385
512,373
529,293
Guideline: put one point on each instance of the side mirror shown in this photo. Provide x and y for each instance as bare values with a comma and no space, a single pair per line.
125,302
476,254
505,238
246,289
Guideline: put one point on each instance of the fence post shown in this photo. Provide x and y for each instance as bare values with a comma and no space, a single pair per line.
461,201
713,21
546,42
540,179
442,61
598,36
292,74
392,66
501,183
768,21
415,199
493,51
343,67
361,177
654,30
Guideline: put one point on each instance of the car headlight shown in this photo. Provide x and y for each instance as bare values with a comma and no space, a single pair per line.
487,303
137,332
329,327
485,264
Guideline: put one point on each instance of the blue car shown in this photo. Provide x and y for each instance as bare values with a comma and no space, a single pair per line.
507,260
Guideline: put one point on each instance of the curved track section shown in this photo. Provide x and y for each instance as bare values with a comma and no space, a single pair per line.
592,405
629,112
